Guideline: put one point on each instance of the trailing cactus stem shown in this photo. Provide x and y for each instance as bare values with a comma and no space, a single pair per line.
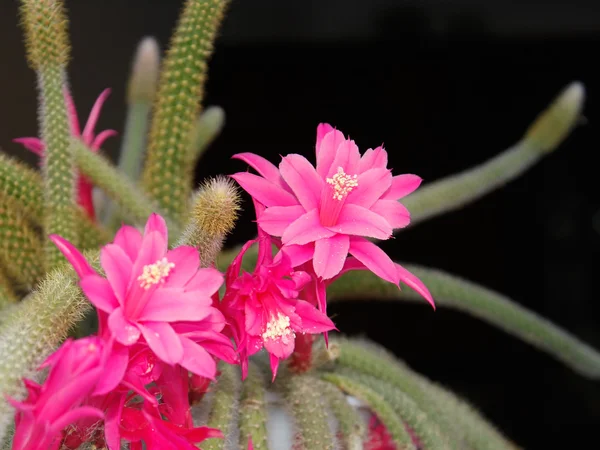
309,411
23,187
456,293
33,330
177,106
551,127
225,408
253,410
7,294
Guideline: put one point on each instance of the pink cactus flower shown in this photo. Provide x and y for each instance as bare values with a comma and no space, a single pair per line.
264,308
94,142
149,289
75,369
325,213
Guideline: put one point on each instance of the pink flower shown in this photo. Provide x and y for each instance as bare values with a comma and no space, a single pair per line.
325,213
264,308
150,292
94,142
75,369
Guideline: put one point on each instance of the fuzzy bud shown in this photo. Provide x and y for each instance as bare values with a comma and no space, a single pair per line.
144,72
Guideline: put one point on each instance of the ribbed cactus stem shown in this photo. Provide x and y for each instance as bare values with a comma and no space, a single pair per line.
547,132
7,293
225,408
45,25
23,187
253,409
379,405
351,425
483,303
309,411
33,330
177,106
214,212
21,250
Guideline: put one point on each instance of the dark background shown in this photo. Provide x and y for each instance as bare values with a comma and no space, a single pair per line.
444,85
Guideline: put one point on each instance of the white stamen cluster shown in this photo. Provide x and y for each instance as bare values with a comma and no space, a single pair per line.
342,183
279,327
155,273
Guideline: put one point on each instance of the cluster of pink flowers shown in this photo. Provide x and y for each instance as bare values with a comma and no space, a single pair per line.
163,326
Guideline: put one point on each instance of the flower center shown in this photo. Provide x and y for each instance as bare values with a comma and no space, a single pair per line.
279,327
334,196
155,273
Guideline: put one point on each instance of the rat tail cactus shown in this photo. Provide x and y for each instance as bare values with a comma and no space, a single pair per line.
124,323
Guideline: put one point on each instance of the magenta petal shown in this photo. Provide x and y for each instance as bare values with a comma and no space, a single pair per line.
72,113
88,131
187,261
306,228
393,211
153,248
327,150
302,178
99,291
115,367
163,341
275,220
32,144
347,157
262,166
75,258
280,347
124,331
112,421
359,221
74,415
157,223
117,266
205,282
172,305
130,240
375,259
330,254
414,283
402,185
102,136
274,361
221,347
313,320
263,190
322,130
372,184
197,360
377,158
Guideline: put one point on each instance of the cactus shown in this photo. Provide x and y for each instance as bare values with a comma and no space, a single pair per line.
303,392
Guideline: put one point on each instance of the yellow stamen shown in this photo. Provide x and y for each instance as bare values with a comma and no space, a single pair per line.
155,273
279,327
342,183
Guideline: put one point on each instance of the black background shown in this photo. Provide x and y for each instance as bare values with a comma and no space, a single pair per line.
444,85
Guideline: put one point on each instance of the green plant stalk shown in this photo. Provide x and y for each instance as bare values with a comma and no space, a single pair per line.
547,132
453,292
7,294
253,409
119,188
177,107
21,250
34,329
379,405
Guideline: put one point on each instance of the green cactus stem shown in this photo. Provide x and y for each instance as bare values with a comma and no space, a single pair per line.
177,107
7,293
253,409
47,43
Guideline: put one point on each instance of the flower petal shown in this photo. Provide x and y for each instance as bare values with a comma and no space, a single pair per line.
74,256
172,305
153,248
187,261
377,158
402,185
326,151
156,223
393,211
313,320
117,266
263,167
32,144
163,341
88,131
359,221
306,228
274,361
205,282
375,259
322,130
414,283
124,331
74,415
372,184
347,157
301,177
130,240
276,219
281,347
197,360
263,190
299,254
330,254
99,291
115,365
